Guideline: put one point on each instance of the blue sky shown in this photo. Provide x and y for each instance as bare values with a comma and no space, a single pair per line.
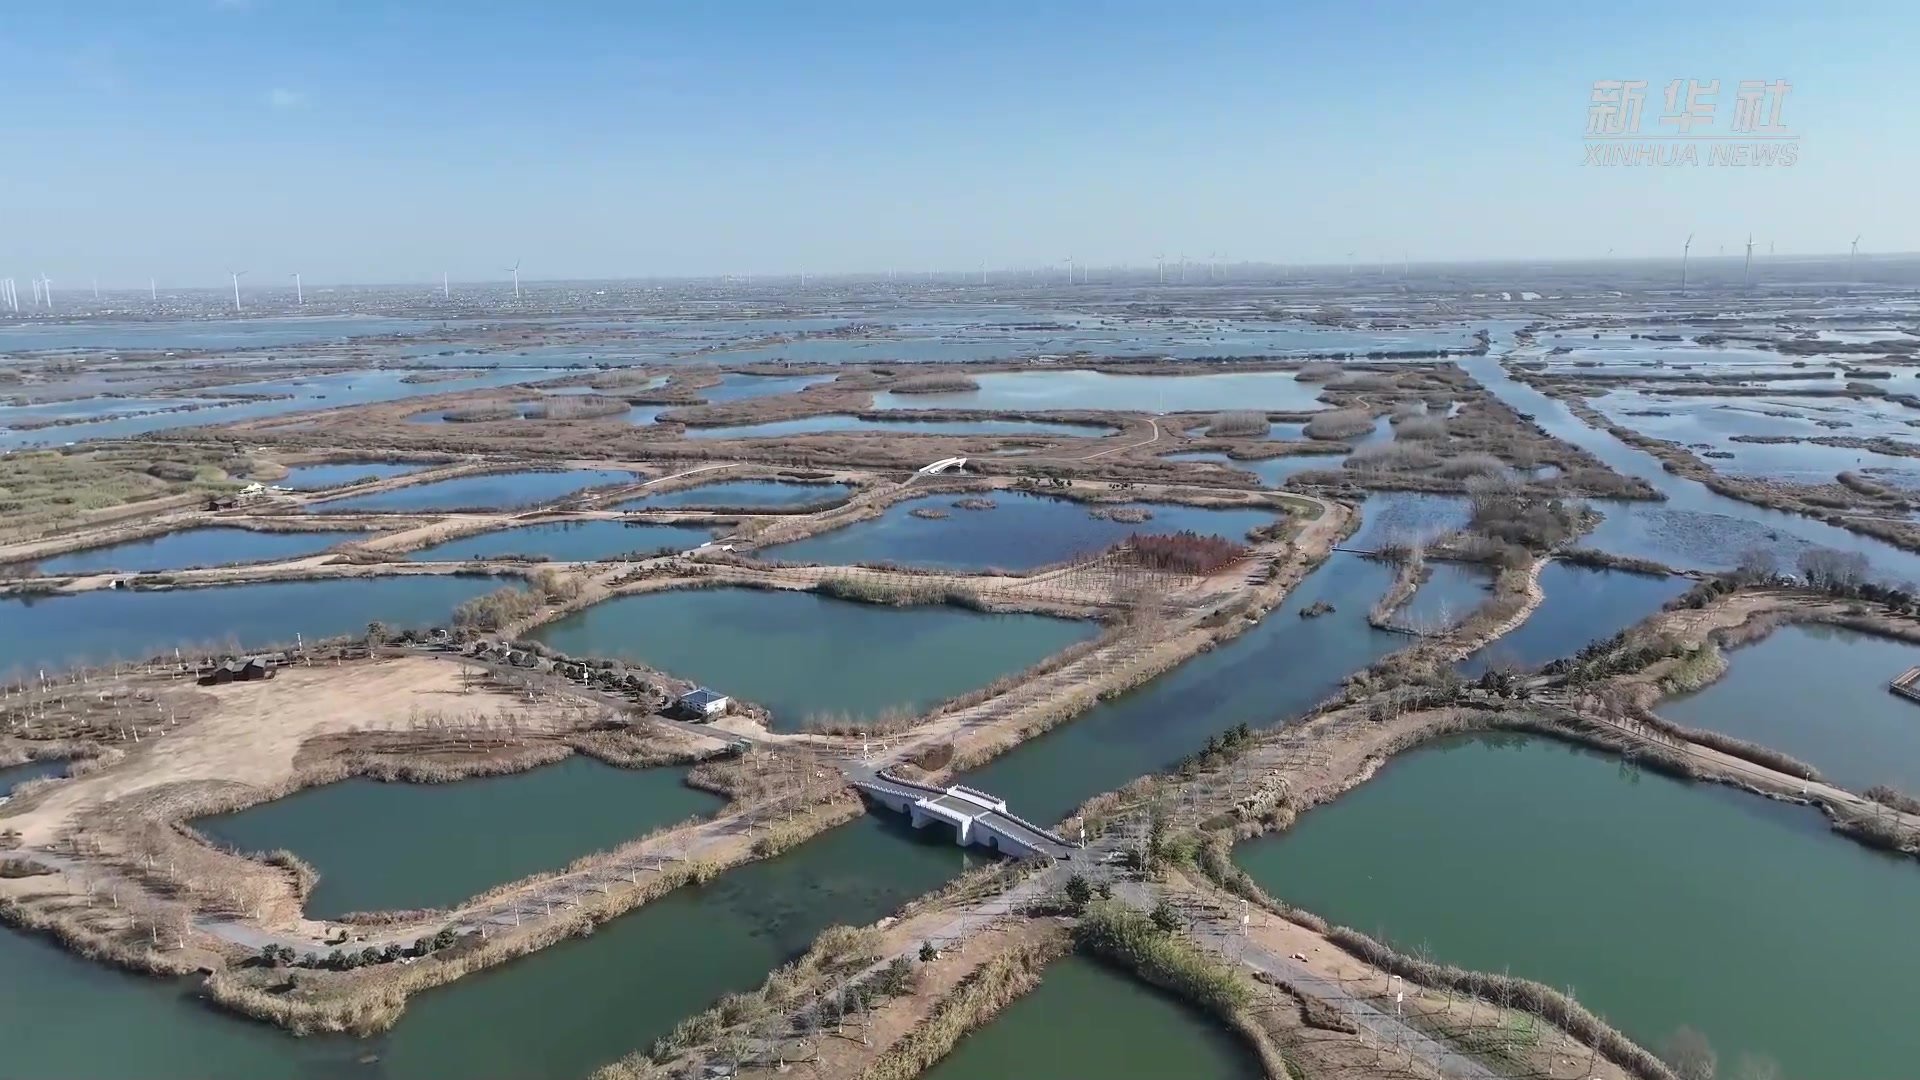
356,141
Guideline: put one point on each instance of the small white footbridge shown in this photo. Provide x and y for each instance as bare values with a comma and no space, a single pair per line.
977,818
943,465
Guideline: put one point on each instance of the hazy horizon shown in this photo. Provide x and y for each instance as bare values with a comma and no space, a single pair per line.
184,139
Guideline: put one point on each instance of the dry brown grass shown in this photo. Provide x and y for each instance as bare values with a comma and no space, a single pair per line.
1339,424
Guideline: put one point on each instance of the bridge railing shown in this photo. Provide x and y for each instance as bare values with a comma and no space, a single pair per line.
1048,833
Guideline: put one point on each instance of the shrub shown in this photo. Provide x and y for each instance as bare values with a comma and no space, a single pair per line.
1468,466
1363,380
934,384
1226,425
496,609
1392,457
1127,937
1339,424
583,407
1421,427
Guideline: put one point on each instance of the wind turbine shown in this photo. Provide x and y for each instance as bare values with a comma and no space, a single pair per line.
235,274
446,292
1852,252
515,268
46,289
299,297
1684,249
1160,262
1069,262
1746,272
153,291
96,288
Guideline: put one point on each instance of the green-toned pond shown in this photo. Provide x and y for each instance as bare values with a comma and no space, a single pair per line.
803,655
389,846
1087,1020
1659,903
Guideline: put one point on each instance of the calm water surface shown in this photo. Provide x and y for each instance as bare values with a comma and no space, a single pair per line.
320,477
568,541
813,425
1745,919
1582,604
1694,529
392,846
801,655
491,491
759,494
1819,693
12,776
90,628
1038,391
1274,671
215,545
1085,1020
1020,532
554,1015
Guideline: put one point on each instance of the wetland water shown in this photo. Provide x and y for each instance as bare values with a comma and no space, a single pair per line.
59,631
564,1010
554,1015
12,776
394,846
841,424
1659,903
1694,529
757,494
1045,391
1020,532
295,394
321,477
801,654
215,545
1451,592
1273,472
737,387
485,491
1581,605
1086,1019
569,541
1274,671
1818,693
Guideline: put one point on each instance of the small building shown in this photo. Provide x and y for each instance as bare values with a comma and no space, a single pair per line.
701,703
248,670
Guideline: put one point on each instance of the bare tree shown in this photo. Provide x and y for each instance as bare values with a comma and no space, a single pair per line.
1826,568
1757,564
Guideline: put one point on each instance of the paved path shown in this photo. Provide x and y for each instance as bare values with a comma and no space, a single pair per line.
1154,424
